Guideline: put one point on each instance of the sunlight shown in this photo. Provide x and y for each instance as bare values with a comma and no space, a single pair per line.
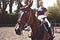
47,3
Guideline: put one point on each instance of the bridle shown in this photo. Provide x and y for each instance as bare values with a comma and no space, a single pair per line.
25,23
29,13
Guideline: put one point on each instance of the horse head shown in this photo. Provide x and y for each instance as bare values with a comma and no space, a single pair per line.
24,21
24,18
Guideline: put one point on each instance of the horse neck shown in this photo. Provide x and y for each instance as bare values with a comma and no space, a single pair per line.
33,21
34,27
35,30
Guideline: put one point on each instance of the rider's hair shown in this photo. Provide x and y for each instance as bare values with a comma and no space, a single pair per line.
40,1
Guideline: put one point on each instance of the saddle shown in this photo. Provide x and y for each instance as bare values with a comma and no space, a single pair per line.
47,28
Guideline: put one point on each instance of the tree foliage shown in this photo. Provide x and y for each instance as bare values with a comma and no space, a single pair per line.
54,13
9,18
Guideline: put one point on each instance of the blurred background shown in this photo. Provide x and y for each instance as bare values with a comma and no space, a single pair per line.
9,14
9,11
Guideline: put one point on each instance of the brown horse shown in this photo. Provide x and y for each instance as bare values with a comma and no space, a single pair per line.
38,31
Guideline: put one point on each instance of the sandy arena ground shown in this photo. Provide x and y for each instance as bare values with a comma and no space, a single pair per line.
8,33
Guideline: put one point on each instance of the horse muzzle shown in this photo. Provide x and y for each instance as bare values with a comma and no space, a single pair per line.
18,31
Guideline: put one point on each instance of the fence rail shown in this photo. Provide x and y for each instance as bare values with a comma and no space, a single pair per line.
10,25
57,24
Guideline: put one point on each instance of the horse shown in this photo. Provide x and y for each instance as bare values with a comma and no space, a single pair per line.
38,29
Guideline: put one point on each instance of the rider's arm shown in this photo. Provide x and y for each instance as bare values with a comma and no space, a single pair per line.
46,13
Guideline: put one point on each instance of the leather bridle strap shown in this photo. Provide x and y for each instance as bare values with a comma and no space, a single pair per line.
26,23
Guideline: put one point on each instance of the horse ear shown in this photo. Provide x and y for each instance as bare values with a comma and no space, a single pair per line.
30,4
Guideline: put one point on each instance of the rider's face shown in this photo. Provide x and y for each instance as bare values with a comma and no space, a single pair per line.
40,3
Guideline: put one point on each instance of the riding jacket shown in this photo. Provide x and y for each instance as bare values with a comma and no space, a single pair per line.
41,10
